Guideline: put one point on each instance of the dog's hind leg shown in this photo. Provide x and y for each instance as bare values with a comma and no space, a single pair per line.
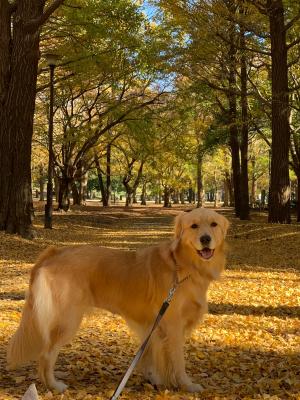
60,336
46,370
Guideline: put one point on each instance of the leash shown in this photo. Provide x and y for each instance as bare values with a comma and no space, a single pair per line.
141,350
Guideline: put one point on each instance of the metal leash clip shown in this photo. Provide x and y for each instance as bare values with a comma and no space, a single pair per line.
171,294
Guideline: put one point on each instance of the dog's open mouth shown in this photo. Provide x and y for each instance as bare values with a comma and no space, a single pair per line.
206,253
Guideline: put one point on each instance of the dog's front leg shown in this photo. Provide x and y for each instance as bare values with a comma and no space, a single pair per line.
168,358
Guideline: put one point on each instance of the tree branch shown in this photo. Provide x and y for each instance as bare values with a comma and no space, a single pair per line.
64,78
259,5
292,21
293,43
34,24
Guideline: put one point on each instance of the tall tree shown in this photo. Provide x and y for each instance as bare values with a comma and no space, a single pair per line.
279,197
244,199
20,26
233,117
277,13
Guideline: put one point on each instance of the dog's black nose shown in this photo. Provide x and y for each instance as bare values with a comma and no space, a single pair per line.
205,239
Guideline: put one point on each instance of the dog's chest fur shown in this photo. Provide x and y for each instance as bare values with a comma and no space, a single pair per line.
193,303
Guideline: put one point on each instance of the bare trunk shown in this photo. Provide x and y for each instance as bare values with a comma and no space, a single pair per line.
215,190
101,183
83,191
56,187
176,197
143,196
298,198
41,181
253,183
226,193
182,194
64,193
18,74
234,146
128,202
75,194
191,194
279,199
244,186
167,194
131,189
199,180
19,48
134,199
108,173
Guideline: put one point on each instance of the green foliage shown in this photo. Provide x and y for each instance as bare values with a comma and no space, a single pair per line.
114,58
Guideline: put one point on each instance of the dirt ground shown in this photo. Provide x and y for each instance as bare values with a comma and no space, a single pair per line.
248,346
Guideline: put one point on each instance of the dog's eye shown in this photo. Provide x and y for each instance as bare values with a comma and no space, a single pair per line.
194,226
213,224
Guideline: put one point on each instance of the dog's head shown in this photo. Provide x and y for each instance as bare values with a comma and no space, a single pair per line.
202,232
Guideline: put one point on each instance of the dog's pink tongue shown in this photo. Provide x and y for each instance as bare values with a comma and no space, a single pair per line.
206,253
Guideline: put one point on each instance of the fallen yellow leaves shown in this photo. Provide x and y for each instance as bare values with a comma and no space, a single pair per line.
248,346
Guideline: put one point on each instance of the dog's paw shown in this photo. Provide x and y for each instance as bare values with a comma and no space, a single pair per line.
59,387
192,387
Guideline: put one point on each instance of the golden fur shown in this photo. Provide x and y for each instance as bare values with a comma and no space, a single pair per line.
66,282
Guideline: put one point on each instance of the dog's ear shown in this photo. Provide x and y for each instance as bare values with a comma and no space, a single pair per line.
226,225
178,225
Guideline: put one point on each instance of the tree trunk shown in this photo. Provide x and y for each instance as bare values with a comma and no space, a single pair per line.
159,195
128,202
56,186
77,200
190,193
101,183
18,79
167,194
143,196
83,187
215,190
131,190
176,197
298,198
226,193
233,129
64,193
253,183
42,188
199,179
41,181
134,199
19,49
182,194
108,174
231,194
279,198
244,185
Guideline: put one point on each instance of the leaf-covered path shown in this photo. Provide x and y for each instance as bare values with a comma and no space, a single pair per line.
247,348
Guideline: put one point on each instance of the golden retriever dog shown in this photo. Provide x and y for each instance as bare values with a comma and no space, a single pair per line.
66,282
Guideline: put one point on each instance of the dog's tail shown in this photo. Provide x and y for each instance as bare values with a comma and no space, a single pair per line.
33,332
